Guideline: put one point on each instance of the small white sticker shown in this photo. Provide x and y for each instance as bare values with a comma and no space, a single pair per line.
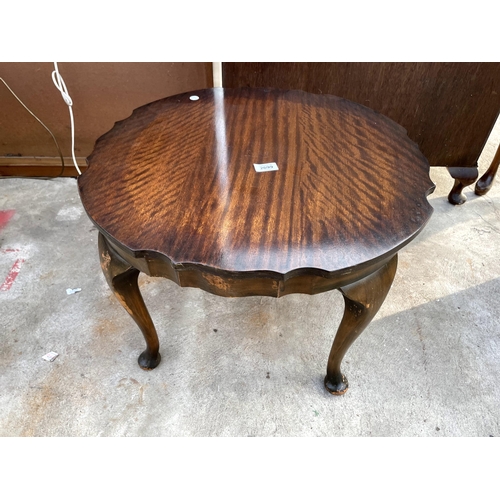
265,167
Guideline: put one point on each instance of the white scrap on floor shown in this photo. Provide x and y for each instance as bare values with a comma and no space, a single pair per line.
71,291
50,356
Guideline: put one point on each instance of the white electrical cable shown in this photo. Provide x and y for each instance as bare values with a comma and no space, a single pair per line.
61,86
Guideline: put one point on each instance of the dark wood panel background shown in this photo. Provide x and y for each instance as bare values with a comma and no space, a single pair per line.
449,109
102,94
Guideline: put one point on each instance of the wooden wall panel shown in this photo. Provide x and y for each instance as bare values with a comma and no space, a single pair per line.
102,94
449,109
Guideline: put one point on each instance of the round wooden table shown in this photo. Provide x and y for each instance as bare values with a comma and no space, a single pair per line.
257,192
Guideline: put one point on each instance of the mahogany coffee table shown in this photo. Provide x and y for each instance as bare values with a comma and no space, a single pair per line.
257,192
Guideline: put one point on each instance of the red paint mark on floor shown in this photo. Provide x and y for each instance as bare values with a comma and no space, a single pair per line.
5,216
11,277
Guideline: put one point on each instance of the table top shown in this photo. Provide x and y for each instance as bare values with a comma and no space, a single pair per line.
177,179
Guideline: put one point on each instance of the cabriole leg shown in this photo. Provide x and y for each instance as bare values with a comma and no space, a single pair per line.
122,279
464,176
362,302
484,184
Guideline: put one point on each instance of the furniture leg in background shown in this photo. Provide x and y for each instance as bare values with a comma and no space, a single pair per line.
464,176
485,182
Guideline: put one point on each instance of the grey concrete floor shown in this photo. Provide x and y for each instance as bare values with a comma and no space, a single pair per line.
428,365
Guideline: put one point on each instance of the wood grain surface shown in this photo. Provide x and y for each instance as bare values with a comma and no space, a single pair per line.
175,183
448,108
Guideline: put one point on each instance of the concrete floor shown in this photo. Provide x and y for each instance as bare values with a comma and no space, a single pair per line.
428,365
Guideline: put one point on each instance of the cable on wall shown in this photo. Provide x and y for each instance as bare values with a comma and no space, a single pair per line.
61,86
41,123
